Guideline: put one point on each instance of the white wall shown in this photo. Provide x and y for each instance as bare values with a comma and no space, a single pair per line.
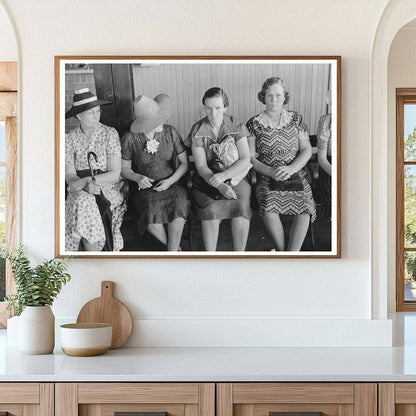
211,302
401,74
8,46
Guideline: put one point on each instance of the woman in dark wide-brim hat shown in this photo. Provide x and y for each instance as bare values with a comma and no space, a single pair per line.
154,157
94,207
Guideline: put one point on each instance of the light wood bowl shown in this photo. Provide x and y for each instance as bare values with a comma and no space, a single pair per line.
84,340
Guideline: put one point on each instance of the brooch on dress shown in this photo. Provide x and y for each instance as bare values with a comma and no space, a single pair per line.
152,146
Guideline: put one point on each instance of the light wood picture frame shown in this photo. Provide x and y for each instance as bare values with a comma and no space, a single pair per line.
314,85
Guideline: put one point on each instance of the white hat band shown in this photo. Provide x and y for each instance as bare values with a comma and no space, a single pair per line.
87,100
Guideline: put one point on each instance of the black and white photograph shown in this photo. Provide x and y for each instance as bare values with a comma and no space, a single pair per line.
198,156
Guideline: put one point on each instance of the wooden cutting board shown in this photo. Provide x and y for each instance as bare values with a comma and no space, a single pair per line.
107,309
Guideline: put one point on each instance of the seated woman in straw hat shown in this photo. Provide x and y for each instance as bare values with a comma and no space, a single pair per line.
94,207
149,154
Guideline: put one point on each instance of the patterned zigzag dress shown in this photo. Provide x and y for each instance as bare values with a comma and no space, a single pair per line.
278,146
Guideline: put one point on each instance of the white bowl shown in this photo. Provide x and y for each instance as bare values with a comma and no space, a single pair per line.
84,340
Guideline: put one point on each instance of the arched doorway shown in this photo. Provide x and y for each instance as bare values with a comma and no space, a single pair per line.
396,14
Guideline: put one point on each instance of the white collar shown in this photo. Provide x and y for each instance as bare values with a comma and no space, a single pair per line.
265,120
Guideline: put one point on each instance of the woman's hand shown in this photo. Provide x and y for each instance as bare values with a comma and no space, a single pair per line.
162,185
281,173
216,179
79,184
144,182
92,188
227,191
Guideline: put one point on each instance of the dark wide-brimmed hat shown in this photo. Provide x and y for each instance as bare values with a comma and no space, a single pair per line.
150,113
84,100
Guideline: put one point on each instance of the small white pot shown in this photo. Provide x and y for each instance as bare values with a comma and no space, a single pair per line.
37,330
86,339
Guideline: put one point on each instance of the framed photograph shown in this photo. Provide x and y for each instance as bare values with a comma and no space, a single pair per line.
198,156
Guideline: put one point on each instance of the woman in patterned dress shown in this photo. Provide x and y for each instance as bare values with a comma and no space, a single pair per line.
222,159
154,157
280,150
87,227
323,135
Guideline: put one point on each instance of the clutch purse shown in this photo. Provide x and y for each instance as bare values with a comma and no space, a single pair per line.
294,183
199,183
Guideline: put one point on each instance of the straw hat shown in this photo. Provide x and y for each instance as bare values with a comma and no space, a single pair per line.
150,113
84,100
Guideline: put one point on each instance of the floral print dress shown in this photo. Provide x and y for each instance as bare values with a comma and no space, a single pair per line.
82,216
323,135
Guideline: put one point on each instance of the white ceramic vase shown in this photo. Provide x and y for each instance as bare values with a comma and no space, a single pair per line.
37,330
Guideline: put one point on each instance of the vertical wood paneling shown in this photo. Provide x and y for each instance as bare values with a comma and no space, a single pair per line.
365,399
386,400
66,399
186,84
207,399
11,196
224,399
47,399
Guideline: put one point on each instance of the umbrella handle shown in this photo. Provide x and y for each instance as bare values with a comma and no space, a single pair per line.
89,154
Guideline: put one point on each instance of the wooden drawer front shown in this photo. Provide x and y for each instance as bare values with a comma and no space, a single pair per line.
293,393
19,393
12,409
405,393
27,399
397,399
110,409
332,399
138,393
104,399
265,409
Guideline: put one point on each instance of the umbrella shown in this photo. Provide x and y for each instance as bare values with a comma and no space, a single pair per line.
103,206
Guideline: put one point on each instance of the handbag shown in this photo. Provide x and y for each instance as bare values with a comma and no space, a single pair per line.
199,183
294,183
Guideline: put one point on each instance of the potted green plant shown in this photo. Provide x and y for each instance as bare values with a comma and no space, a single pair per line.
36,289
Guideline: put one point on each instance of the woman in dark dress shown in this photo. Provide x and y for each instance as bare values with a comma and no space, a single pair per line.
222,159
149,154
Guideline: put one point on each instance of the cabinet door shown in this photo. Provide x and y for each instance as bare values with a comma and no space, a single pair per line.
26,399
296,399
145,399
397,399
